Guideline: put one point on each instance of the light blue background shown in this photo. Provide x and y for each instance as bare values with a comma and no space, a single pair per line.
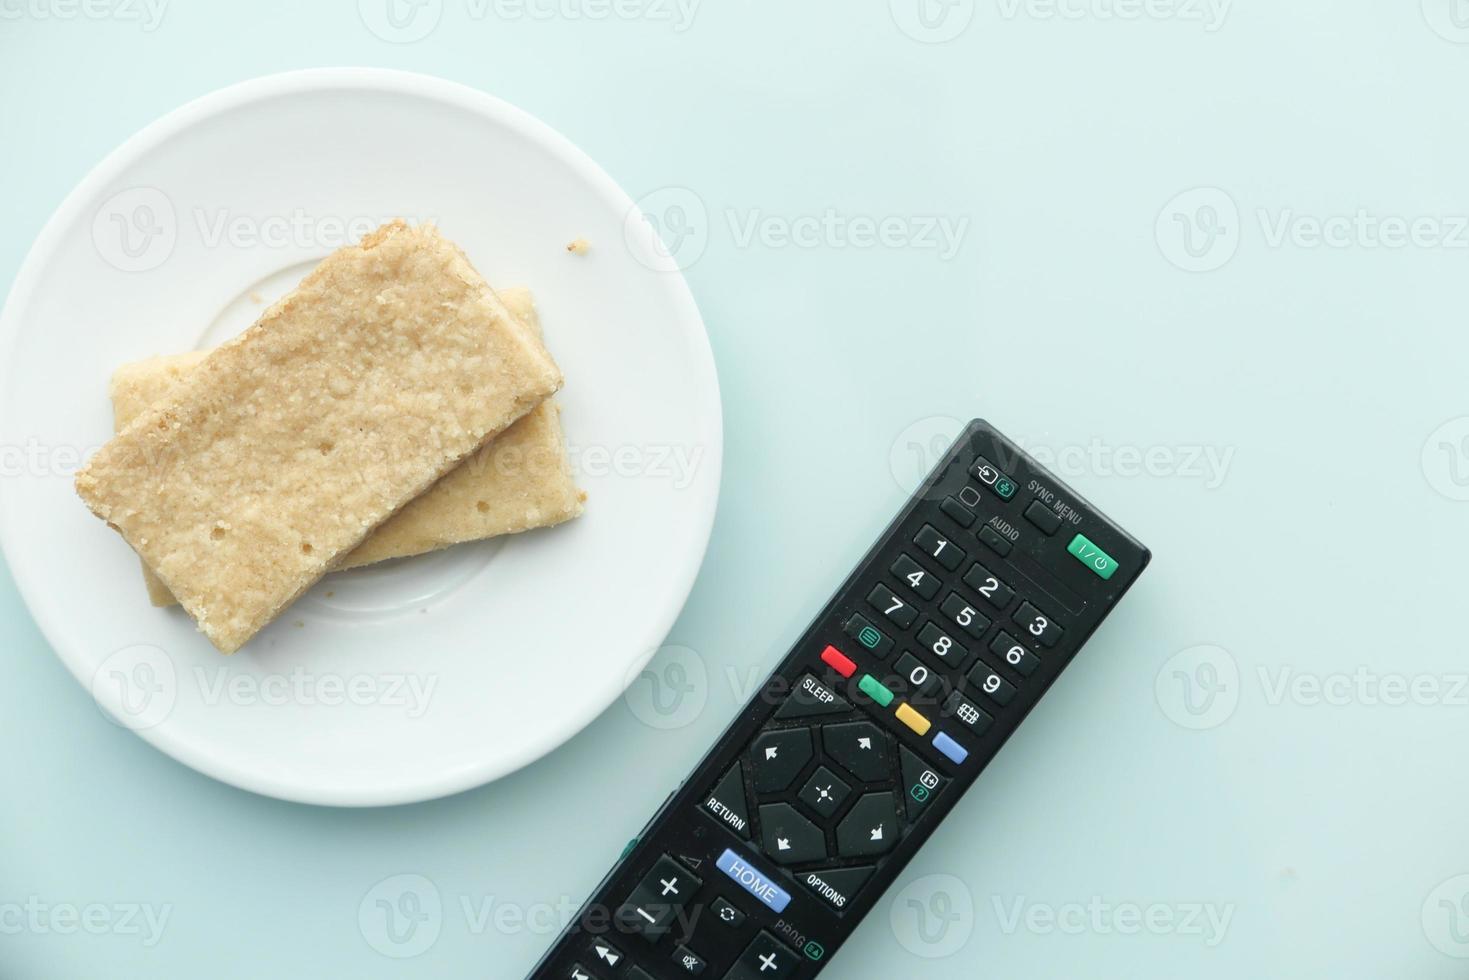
1330,834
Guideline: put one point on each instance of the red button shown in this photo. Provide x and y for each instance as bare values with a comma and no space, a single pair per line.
838,661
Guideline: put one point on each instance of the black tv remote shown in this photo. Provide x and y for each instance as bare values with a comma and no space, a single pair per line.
906,685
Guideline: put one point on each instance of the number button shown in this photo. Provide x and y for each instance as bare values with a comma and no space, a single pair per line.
970,620
918,580
995,687
1038,625
938,547
883,599
983,581
921,681
958,706
943,646
1007,648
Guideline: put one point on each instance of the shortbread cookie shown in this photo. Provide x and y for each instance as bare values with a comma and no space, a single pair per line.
520,481
283,449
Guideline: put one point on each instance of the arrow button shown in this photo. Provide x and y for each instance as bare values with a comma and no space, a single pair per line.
870,827
779,757
605,952
788,837
861,748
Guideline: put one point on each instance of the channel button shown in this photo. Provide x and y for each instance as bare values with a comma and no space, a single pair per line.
753,880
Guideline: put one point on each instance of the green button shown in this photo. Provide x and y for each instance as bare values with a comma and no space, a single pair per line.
1092,557
1005,488
869,686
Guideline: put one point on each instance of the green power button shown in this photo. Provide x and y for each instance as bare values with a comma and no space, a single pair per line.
1092,557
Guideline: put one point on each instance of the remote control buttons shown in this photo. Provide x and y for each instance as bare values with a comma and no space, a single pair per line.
1038,625
824,793
811,698
970,620
753,880
859,747
778,757
1092,557
874,689
957,512
859,629
990,588
789,838
726,802
938,547
1001,485
689,961
836,886
885,601
921,680
605,954
1008,649
951,749
870,827
942,645
995,687
838,661
964,711
913,719
916,576
658,900
767,958
726,914
995,541
579,972
920,782
1043,517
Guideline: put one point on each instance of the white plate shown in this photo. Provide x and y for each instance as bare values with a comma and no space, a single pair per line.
430,675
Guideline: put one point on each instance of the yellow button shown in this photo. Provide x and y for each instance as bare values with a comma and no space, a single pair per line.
913,719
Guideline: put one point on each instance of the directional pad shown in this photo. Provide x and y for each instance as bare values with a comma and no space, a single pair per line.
859,747
870,828
779,757
788,837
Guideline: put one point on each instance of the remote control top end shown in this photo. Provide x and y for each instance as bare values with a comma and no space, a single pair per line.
903,688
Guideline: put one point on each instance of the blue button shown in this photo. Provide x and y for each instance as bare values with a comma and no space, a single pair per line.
753,880
956,752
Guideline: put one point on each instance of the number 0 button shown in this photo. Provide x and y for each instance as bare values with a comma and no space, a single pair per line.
939,548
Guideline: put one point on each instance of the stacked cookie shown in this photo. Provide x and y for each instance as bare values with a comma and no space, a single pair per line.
393,404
